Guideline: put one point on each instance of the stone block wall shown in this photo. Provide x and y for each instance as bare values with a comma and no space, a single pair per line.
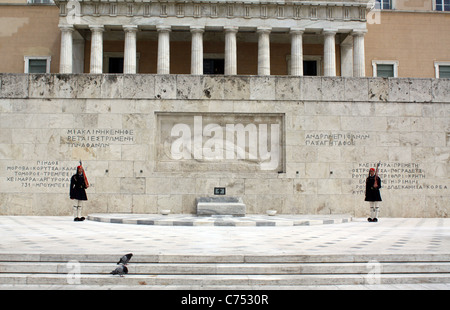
153,142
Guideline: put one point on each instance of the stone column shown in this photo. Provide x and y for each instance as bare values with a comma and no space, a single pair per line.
358,53
329,53
297,51
96,49
263,50
129,59
66,54
197,50
347,56
230,50
163,49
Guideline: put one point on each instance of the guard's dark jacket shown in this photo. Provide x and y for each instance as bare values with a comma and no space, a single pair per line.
77,187
372,193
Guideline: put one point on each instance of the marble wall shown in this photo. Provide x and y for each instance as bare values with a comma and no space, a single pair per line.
332,130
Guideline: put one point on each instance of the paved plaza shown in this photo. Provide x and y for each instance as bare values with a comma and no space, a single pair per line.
48,235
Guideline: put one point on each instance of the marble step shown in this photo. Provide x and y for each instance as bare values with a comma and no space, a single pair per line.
226,268
221,280
157,271
226,258
283,291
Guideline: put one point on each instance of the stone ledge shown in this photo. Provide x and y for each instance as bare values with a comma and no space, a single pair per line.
206,87
192,220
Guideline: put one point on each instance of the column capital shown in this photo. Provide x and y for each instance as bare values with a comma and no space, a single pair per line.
296,30
263,29
197,29
70,28
96,28
358,32
231,28
329,32
163,28
130,28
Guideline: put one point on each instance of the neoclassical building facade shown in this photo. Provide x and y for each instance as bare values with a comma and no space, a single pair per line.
193,25
394,38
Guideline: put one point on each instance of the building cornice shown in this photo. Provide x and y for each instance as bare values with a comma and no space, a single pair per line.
242,10
249,2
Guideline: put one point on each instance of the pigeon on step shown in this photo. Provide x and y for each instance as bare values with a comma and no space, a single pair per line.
125,259
121,270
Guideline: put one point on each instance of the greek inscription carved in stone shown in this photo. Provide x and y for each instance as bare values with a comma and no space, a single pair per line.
97,138
334,138
395,176
42,174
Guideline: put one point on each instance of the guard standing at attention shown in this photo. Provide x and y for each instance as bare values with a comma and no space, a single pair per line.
373,185
78,186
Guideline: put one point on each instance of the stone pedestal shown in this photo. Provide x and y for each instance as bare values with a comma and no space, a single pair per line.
208,206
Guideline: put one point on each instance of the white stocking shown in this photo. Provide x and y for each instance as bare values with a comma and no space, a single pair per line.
374,209
77,209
